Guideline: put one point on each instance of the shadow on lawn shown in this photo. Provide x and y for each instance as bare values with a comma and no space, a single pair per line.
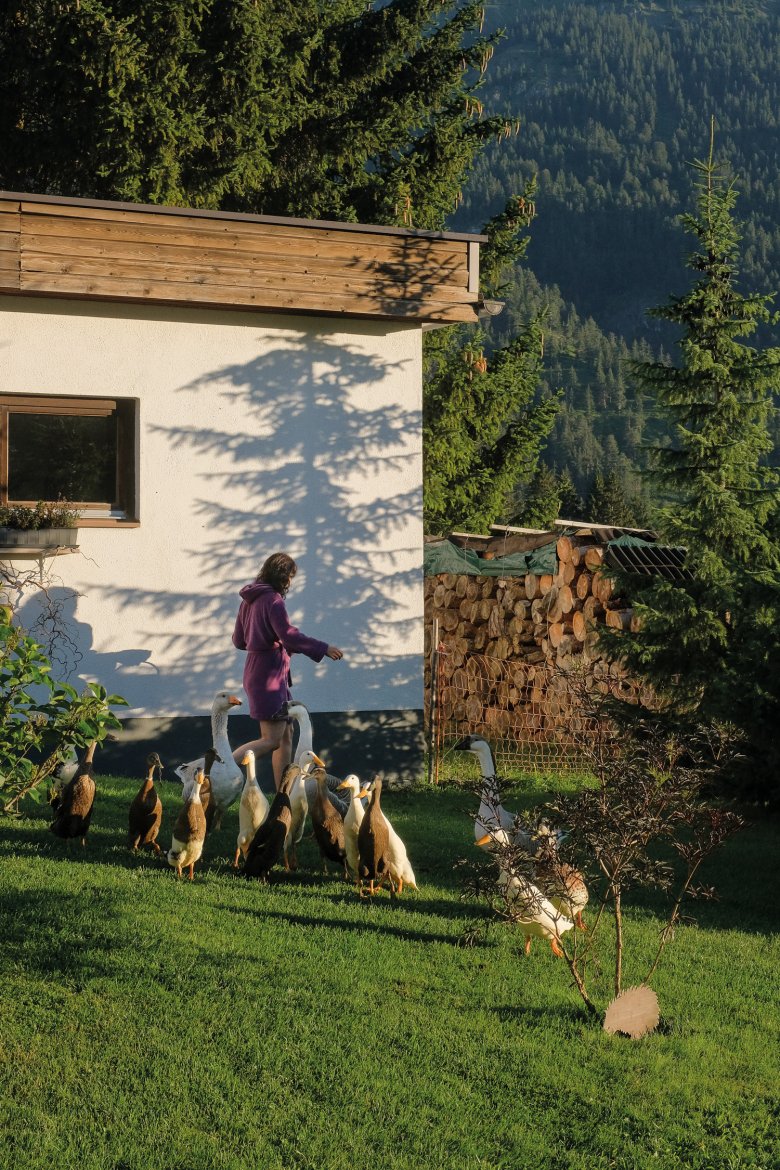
398,931
37,934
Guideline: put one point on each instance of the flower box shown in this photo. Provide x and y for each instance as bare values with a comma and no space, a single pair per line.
42,538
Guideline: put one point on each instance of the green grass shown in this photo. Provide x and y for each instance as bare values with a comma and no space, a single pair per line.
150,1024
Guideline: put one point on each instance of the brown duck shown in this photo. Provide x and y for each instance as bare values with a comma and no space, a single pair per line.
145,812
210,809
189,832
373,843
328,825
74,812
268,842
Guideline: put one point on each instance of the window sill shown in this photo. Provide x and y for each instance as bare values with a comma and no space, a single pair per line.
106,522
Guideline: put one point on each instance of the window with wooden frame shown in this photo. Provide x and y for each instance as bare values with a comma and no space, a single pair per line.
82,450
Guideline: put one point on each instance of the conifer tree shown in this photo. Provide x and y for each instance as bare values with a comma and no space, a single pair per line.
339,110
483,425
710,644
572,506
538,505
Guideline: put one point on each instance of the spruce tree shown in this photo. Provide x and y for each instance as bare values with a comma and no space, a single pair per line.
710,643
483,424
571,506
339,110
538,505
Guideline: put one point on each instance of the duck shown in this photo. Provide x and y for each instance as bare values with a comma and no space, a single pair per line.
300,714
533,913
399,867
328,825
564,885
209,806
491,814
252,808
145,814
352,821
74,813
189,832
63,774
373,844
268,843
227,779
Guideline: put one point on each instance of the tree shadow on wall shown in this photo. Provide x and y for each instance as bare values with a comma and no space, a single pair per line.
309,463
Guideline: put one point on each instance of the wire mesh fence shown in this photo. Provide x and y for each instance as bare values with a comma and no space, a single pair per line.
536,717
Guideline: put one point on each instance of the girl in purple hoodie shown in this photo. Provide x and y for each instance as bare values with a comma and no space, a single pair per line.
263,629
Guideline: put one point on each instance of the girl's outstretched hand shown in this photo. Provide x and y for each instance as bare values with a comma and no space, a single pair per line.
334,653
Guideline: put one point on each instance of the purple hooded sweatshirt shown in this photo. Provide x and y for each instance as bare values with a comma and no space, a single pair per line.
263,629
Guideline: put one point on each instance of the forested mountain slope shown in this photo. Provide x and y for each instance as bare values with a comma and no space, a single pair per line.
615,100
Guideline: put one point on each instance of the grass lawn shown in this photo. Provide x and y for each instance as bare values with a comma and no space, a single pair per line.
150,1024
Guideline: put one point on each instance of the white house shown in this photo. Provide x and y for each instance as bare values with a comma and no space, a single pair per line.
209,388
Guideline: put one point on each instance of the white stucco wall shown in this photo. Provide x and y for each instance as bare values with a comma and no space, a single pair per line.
257,434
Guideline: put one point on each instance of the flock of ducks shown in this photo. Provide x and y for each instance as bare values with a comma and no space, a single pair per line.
359,840
544,896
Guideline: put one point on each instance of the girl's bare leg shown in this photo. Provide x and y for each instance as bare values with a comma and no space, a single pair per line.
272,737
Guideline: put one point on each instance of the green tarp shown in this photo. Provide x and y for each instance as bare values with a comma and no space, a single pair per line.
442,556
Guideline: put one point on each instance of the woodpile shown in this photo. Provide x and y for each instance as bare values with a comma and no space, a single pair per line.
519,653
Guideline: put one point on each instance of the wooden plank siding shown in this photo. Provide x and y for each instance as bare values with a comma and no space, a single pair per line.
92,250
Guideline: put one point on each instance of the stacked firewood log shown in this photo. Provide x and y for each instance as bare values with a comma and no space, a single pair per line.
519,654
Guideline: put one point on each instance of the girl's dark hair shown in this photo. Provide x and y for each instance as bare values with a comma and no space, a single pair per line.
278,571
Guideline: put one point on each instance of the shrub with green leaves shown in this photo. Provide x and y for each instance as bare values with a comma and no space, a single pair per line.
40,718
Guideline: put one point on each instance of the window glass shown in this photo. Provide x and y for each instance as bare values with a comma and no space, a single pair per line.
68,457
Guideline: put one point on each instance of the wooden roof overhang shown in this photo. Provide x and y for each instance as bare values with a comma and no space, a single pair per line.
96,250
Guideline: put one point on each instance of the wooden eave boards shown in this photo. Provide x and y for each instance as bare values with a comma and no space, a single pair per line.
88,249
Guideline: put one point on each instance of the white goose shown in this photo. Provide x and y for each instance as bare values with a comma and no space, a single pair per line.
535,915
352,820
306,744
227,779
252,809
492,815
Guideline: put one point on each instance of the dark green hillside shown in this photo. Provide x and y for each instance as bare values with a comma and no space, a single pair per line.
615,100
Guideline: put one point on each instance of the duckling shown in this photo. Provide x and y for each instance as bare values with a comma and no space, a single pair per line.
328,825
535,915
374,843
145,812
74,813
269,841
252,809
189,832
352,821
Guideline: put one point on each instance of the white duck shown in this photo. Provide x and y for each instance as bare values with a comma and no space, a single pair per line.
535,915
352,820
299,805
227,779
252,809
399,867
